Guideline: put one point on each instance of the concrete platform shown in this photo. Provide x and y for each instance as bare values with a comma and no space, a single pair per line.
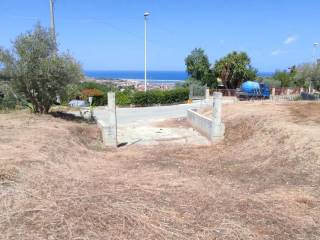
150,135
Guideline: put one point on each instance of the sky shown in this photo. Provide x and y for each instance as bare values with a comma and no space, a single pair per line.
109,34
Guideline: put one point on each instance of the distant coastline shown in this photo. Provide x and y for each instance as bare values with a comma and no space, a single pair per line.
156,77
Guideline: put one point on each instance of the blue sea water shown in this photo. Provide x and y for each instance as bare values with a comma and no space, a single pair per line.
152,76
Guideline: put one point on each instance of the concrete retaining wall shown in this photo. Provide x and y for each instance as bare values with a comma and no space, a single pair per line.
104,130
199,122
212,128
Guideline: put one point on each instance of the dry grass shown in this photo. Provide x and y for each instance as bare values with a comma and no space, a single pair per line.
262,182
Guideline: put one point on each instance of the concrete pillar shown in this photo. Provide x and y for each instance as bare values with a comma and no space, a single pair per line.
273,93
301,90
207,93
218,127
110,131
191,91
288,91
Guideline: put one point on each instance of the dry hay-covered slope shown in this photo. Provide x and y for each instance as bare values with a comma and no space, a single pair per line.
262,182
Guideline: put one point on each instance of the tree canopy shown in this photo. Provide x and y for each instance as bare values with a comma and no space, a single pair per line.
198,67
234,69
286,78
308,75
37,70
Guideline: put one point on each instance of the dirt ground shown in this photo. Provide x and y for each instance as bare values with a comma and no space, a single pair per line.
57,181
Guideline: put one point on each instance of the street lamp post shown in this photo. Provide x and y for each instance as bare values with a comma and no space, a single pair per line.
315,45
146,14
52,22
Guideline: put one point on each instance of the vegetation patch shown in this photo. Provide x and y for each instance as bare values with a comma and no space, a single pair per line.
8,174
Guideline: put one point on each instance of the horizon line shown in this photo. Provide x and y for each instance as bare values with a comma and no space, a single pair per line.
129,70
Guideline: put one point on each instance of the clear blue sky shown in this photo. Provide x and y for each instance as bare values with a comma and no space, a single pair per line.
108,35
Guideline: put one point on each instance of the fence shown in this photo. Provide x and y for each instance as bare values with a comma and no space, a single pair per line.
225,92
288,91
197,92
277,91
292,97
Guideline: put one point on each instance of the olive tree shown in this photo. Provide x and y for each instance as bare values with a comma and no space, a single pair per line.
37,70
308,75
233,69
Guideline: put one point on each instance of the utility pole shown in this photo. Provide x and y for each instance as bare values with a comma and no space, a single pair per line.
146,14
315,45
52,24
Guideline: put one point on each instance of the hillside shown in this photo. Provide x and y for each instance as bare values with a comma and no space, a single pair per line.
57,181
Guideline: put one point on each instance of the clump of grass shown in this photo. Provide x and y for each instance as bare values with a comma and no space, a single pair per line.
8,174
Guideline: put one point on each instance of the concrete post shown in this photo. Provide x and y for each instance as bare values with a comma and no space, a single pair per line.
273,93
218,127
288,91
207,93
301,90
110,138
191,92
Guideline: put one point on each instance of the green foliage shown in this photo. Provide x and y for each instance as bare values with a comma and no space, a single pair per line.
193,81
176,95
102,87
198,68
9,100
37,70
271,82
285,78
127,96
72,91
308,75
124,98
75,91
234,69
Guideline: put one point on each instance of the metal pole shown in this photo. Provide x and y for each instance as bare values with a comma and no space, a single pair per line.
315,45
146,14
53,31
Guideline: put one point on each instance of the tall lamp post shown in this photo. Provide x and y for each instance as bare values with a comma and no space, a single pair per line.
146,14
315,45
52,23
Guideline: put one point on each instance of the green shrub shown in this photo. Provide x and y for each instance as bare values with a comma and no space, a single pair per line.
139,98
128,96
124,98
177,95
8,101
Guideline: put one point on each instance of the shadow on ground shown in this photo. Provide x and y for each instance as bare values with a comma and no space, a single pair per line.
72,118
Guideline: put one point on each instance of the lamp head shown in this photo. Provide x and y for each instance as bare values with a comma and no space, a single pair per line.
146,14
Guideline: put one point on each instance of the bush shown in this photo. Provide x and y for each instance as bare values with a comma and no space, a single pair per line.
124,98
8,100
177,95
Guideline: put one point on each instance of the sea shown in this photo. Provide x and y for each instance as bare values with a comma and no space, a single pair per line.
156,77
